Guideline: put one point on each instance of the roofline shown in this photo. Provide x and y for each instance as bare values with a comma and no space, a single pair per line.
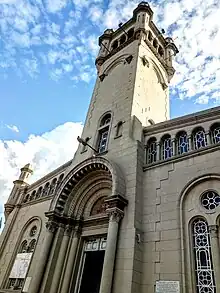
183,120
50,175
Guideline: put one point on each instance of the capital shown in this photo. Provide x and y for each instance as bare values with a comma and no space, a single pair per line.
115,214
213,230
51,226
67,230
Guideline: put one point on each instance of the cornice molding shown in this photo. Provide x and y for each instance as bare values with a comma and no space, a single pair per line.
49,176
182,122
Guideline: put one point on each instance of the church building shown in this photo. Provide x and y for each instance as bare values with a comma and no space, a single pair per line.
137,209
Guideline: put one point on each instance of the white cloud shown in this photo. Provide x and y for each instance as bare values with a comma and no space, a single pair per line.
45,152
13,128
56,5
70,36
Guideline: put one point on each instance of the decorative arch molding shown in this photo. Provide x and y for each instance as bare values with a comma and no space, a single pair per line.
81,202
120,60
77,174
159,74
183,195
38,222
190,185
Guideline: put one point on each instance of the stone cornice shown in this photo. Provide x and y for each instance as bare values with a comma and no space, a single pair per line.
182,122
60,219
116,201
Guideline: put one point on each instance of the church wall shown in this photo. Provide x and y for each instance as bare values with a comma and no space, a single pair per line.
163,185
151,96
24,215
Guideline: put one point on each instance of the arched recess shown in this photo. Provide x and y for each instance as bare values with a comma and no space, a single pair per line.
120,60
25,236
88,172
159,74
189,203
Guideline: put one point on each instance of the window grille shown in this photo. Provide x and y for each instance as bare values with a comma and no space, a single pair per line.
210,200
152,151
182,143
205,282
199,138
167,149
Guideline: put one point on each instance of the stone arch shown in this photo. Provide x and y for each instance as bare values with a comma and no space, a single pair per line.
81,199
159,74
78,174
115,63
183,196
21,239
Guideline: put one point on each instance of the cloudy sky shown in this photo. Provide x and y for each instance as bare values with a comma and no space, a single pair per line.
47,73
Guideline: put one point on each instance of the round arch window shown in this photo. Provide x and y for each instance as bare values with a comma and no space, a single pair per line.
210,200
33,231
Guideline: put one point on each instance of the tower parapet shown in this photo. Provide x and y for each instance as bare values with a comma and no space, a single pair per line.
139,27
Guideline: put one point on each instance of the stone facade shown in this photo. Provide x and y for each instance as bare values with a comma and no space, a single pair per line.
138,205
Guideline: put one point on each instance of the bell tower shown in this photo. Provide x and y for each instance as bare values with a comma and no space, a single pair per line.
134,68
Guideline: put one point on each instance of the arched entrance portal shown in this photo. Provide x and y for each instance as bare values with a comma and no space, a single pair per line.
86,211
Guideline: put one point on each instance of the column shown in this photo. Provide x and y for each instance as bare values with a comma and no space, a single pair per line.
213,230
158,152
45,250
208,138
70,262
173,144
190,148
60,260
109,259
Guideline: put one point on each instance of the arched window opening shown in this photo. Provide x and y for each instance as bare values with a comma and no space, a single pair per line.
53,186
60,180
26,198
182,143
150,36
32,245
103,133
38,194
33,194
199,138
167,149
98,207
105,120
202,257
160,51
122,39
23,256
119,128
215,133
33,231
155,43
130,33
23,247
46,189
115,45
152,151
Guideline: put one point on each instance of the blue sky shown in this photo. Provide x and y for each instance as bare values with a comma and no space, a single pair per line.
47,71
